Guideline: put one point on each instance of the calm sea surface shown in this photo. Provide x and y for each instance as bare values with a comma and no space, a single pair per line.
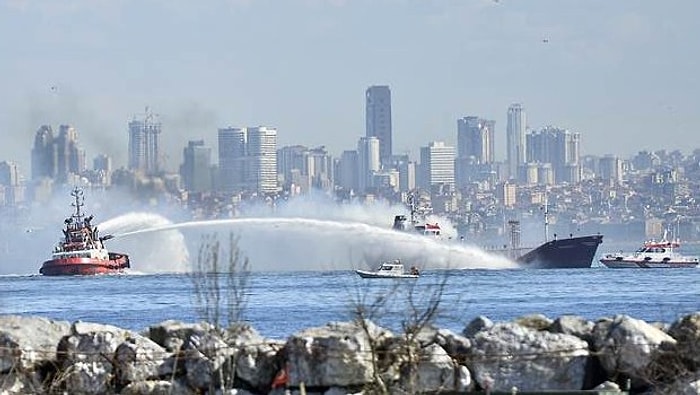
279,304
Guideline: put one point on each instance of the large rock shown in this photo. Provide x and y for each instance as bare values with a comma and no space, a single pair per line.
172,334
139,359
257,358
20,383
508,355
436,371
338,354
86,356
157,387
28,341
573,325
477,325
538,322
686,331
207,361
628,347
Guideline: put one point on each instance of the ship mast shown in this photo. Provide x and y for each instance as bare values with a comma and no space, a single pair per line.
77,193
546,215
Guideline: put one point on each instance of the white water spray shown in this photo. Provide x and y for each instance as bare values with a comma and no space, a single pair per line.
289,244
162,252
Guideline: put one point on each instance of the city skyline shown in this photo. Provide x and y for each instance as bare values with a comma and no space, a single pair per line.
624,78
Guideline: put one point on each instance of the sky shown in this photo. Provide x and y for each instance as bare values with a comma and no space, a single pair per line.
624,74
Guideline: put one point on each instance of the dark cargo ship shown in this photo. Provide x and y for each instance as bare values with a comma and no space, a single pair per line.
567,253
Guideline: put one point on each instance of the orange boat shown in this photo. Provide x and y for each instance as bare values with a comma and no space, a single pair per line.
81,251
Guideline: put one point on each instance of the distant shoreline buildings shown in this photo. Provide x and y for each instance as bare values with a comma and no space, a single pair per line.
465,181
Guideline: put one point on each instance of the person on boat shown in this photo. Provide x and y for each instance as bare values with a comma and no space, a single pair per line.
414,271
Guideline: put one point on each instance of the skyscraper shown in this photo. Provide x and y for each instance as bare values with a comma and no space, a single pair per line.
378,119
515,138
559,147
368,161
232,155
43,154
144,151
70,159
475,150
262,159
196,167
57,157
475,138
437,162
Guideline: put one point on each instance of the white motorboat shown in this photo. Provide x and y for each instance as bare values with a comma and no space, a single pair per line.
393,269
653,254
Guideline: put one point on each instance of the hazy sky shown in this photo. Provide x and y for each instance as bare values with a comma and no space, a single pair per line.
625,74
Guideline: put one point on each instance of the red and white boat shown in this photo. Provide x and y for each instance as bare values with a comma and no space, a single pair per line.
653,254
81,250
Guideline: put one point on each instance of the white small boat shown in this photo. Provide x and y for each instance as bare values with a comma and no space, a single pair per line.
652,255
393,269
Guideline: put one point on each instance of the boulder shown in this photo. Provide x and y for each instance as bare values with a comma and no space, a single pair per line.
538,322
86,354
686,332
156,387
139,359
509,355
20,383
573,325
338,354
173,334
207,361
436,371
628,347
26,342
257,358
476,325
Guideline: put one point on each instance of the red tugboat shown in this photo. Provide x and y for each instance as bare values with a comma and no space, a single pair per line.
81,250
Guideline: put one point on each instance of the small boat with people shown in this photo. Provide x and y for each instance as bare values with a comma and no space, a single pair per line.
652,254
393,269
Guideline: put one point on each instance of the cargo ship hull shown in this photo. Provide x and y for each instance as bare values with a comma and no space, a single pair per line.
571,253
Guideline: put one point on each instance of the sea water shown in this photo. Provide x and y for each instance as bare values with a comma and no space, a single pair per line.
282,303
303,276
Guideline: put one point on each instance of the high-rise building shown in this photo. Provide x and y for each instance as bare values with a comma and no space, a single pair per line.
144,150
475,150
248,159
515,139
102,166
43,157
232,154
10,185
348,166
611,169
368,161
57,157
475,138
196,171
559,147
305,168
262,159
378,119
70,159
437,162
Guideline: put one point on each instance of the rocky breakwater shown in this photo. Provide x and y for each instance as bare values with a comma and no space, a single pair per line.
529,354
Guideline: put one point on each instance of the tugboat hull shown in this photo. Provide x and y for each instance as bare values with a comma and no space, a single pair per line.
85,266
